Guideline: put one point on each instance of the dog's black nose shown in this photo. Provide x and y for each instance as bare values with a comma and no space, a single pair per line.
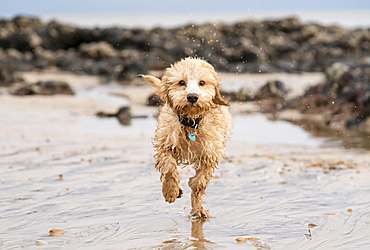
192,98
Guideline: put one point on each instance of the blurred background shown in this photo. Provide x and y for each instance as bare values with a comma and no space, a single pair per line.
119,40
76,123
172,13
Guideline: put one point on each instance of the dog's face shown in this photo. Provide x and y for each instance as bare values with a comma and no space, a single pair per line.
190,87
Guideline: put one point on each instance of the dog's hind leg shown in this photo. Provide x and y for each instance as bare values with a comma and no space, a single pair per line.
167,166
198,185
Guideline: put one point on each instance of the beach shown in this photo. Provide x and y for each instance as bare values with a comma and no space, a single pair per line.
64,168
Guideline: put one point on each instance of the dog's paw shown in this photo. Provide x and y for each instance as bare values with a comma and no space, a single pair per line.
199,213
180,193
170,195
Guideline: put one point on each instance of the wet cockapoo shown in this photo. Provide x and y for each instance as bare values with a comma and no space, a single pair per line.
192,129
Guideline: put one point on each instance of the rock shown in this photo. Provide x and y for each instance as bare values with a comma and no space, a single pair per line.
58,36
336,71
56,232
97,50
123,115
229,95
21,89
27,22
287,65
14,55
365,125
52,88
8,75
43,58
244,94
42,88
272,89
261,245
154,100
66,59
130,71
341,102
118,53
40,243
287,25
25,40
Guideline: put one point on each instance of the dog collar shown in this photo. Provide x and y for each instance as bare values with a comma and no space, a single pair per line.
191,123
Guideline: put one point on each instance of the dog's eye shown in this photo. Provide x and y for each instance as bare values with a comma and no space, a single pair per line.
201,83
182,83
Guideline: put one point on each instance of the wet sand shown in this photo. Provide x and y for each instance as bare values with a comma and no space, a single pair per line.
101,188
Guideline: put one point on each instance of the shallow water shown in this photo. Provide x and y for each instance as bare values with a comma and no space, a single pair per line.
255,129
349,139
109,197
258,129
95,179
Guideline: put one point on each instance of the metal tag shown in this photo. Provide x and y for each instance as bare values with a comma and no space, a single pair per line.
192,137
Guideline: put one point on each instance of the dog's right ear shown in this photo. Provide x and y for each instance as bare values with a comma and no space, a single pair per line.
152,80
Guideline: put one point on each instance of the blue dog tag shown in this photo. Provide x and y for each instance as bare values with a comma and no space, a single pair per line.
192,137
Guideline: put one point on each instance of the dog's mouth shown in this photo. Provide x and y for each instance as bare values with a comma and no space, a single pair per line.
192,105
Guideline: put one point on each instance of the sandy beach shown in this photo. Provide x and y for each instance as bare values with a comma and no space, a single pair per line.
64,168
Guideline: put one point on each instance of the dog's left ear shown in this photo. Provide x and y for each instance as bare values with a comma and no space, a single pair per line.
219,99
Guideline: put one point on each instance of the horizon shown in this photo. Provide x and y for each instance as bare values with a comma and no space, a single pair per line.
172,13
50,7
345,18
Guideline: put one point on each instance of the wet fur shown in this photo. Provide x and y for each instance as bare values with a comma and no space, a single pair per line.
171,142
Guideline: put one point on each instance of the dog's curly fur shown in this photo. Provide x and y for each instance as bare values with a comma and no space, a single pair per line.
171,142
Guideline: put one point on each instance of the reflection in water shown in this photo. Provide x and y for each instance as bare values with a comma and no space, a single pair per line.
254,129
197,242
258,129
197,232
123,115
345,138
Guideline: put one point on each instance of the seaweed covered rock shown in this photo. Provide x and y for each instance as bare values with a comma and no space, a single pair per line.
130,70
343,100
243,47
97,50
42,88
154,100
8,75
272,89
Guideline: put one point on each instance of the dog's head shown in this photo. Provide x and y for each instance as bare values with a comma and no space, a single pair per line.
190,86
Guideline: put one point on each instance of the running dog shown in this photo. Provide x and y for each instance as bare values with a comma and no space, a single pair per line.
193,126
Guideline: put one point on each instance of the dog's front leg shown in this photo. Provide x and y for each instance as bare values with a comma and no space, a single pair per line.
167,165
198,185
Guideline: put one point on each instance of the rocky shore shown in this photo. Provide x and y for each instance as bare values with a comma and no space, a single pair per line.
340,103
287,45
271,46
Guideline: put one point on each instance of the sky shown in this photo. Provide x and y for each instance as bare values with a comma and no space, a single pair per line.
49,7
167,12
